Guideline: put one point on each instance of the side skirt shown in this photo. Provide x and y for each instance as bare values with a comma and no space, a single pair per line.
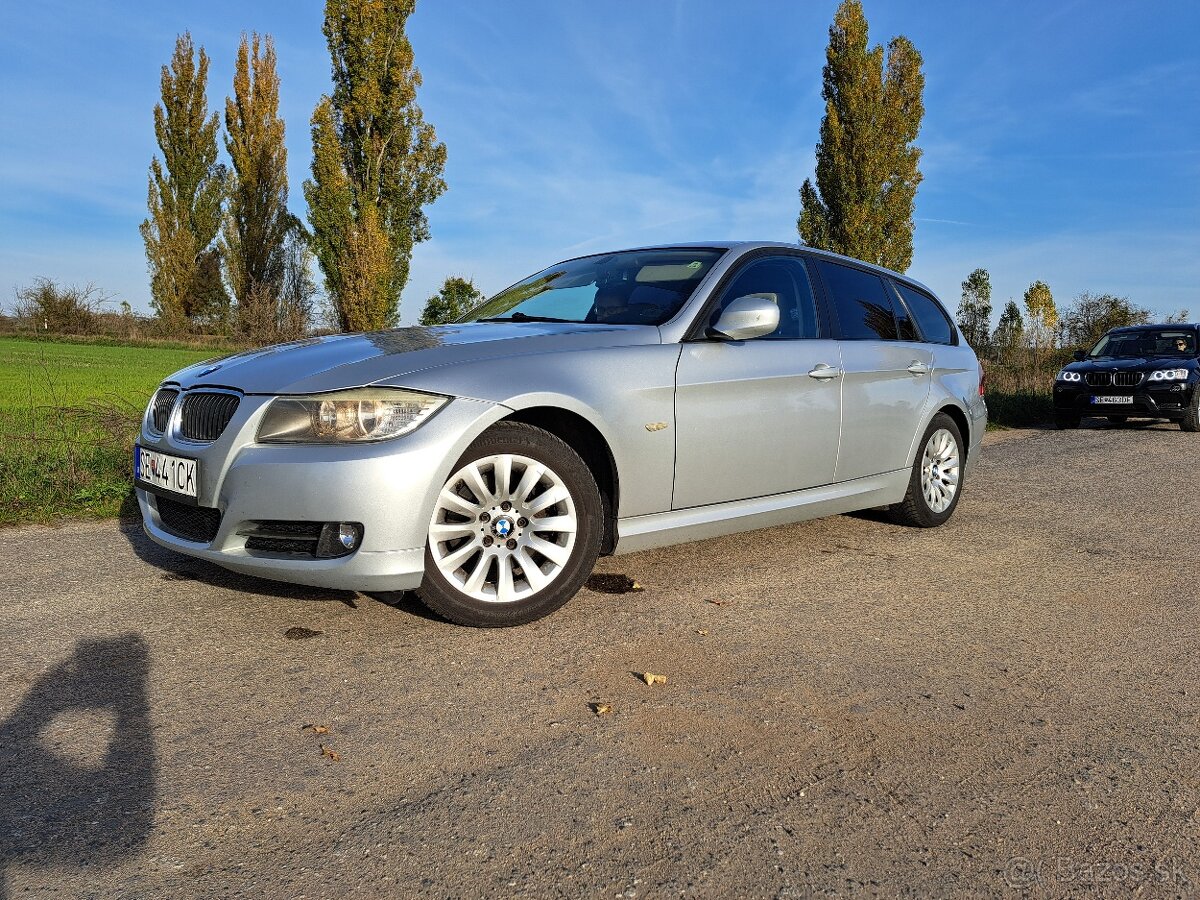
702,522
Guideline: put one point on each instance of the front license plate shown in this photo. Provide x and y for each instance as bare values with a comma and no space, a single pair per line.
1117,399
165,472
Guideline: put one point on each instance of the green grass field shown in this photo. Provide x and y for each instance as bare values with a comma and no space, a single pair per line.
36,373
69,413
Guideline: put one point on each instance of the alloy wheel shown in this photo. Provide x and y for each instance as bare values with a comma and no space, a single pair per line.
940,470
504,528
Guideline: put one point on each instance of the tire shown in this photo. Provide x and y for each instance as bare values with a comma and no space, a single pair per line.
1064,421
936,482
480,555
1191,416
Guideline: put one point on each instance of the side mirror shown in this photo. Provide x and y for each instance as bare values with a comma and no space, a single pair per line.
1079,355
745,318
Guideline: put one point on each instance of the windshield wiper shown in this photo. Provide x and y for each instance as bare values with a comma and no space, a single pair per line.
524,317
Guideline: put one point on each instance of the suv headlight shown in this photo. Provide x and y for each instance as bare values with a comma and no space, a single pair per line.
1064,375
1169,375
347,417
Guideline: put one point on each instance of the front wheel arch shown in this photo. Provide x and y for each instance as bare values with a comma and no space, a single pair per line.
589,442
467,555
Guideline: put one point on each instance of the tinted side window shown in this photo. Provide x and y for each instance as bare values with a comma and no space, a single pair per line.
931,318
864,310
784,280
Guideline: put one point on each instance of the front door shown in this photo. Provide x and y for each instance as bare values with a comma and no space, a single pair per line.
759,417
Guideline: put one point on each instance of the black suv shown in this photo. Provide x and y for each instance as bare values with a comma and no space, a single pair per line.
1143,371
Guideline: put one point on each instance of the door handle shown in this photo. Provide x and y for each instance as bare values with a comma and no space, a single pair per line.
823,372
918,368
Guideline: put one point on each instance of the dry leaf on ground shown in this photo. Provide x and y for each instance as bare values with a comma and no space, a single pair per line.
331,753
315,729
651,678
601,709
701,631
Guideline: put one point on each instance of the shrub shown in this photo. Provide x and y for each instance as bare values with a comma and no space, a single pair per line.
46,306
1020,386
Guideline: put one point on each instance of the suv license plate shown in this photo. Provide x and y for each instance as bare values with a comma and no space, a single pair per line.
165,472
1113,399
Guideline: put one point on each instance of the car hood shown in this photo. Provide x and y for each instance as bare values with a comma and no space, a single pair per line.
386,357
1130,364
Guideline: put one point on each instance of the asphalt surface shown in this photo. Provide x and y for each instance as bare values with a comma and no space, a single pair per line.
1009,704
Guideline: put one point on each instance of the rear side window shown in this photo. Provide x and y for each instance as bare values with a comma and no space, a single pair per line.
931,318
864,310
784,281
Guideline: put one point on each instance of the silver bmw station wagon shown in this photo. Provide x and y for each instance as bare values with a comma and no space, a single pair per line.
607,404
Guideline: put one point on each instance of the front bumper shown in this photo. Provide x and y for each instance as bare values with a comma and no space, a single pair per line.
1162,401
389,487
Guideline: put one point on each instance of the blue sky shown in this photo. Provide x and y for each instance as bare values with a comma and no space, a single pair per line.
1061,140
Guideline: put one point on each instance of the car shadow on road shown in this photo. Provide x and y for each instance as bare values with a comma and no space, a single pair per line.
176,567
79,763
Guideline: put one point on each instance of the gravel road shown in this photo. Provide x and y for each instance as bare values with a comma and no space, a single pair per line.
1007,704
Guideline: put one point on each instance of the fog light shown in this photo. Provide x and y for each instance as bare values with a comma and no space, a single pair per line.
339,539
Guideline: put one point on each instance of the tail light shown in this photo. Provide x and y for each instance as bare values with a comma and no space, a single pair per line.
982,380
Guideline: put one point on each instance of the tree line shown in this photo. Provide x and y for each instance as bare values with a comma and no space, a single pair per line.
1042,325
226,254
866,179
223,249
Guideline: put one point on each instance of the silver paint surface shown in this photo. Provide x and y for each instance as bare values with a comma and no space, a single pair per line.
758,432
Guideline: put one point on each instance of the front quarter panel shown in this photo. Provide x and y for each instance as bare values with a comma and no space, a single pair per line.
627,393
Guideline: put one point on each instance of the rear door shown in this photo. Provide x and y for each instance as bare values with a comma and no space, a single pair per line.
759,417
887,371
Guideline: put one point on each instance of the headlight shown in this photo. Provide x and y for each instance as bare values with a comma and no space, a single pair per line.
367,414
1064,375
1169,375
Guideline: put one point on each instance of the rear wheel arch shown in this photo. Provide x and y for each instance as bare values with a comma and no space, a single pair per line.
957,415
960,419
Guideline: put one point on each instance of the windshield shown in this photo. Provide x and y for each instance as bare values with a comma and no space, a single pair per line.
634,287
1146,343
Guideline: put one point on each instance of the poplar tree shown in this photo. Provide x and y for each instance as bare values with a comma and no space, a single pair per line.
867,166
376,162
975,309
1042,315
258,233
456,297
1010,331
185,196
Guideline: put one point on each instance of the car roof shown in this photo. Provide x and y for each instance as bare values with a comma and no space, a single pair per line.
746,246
